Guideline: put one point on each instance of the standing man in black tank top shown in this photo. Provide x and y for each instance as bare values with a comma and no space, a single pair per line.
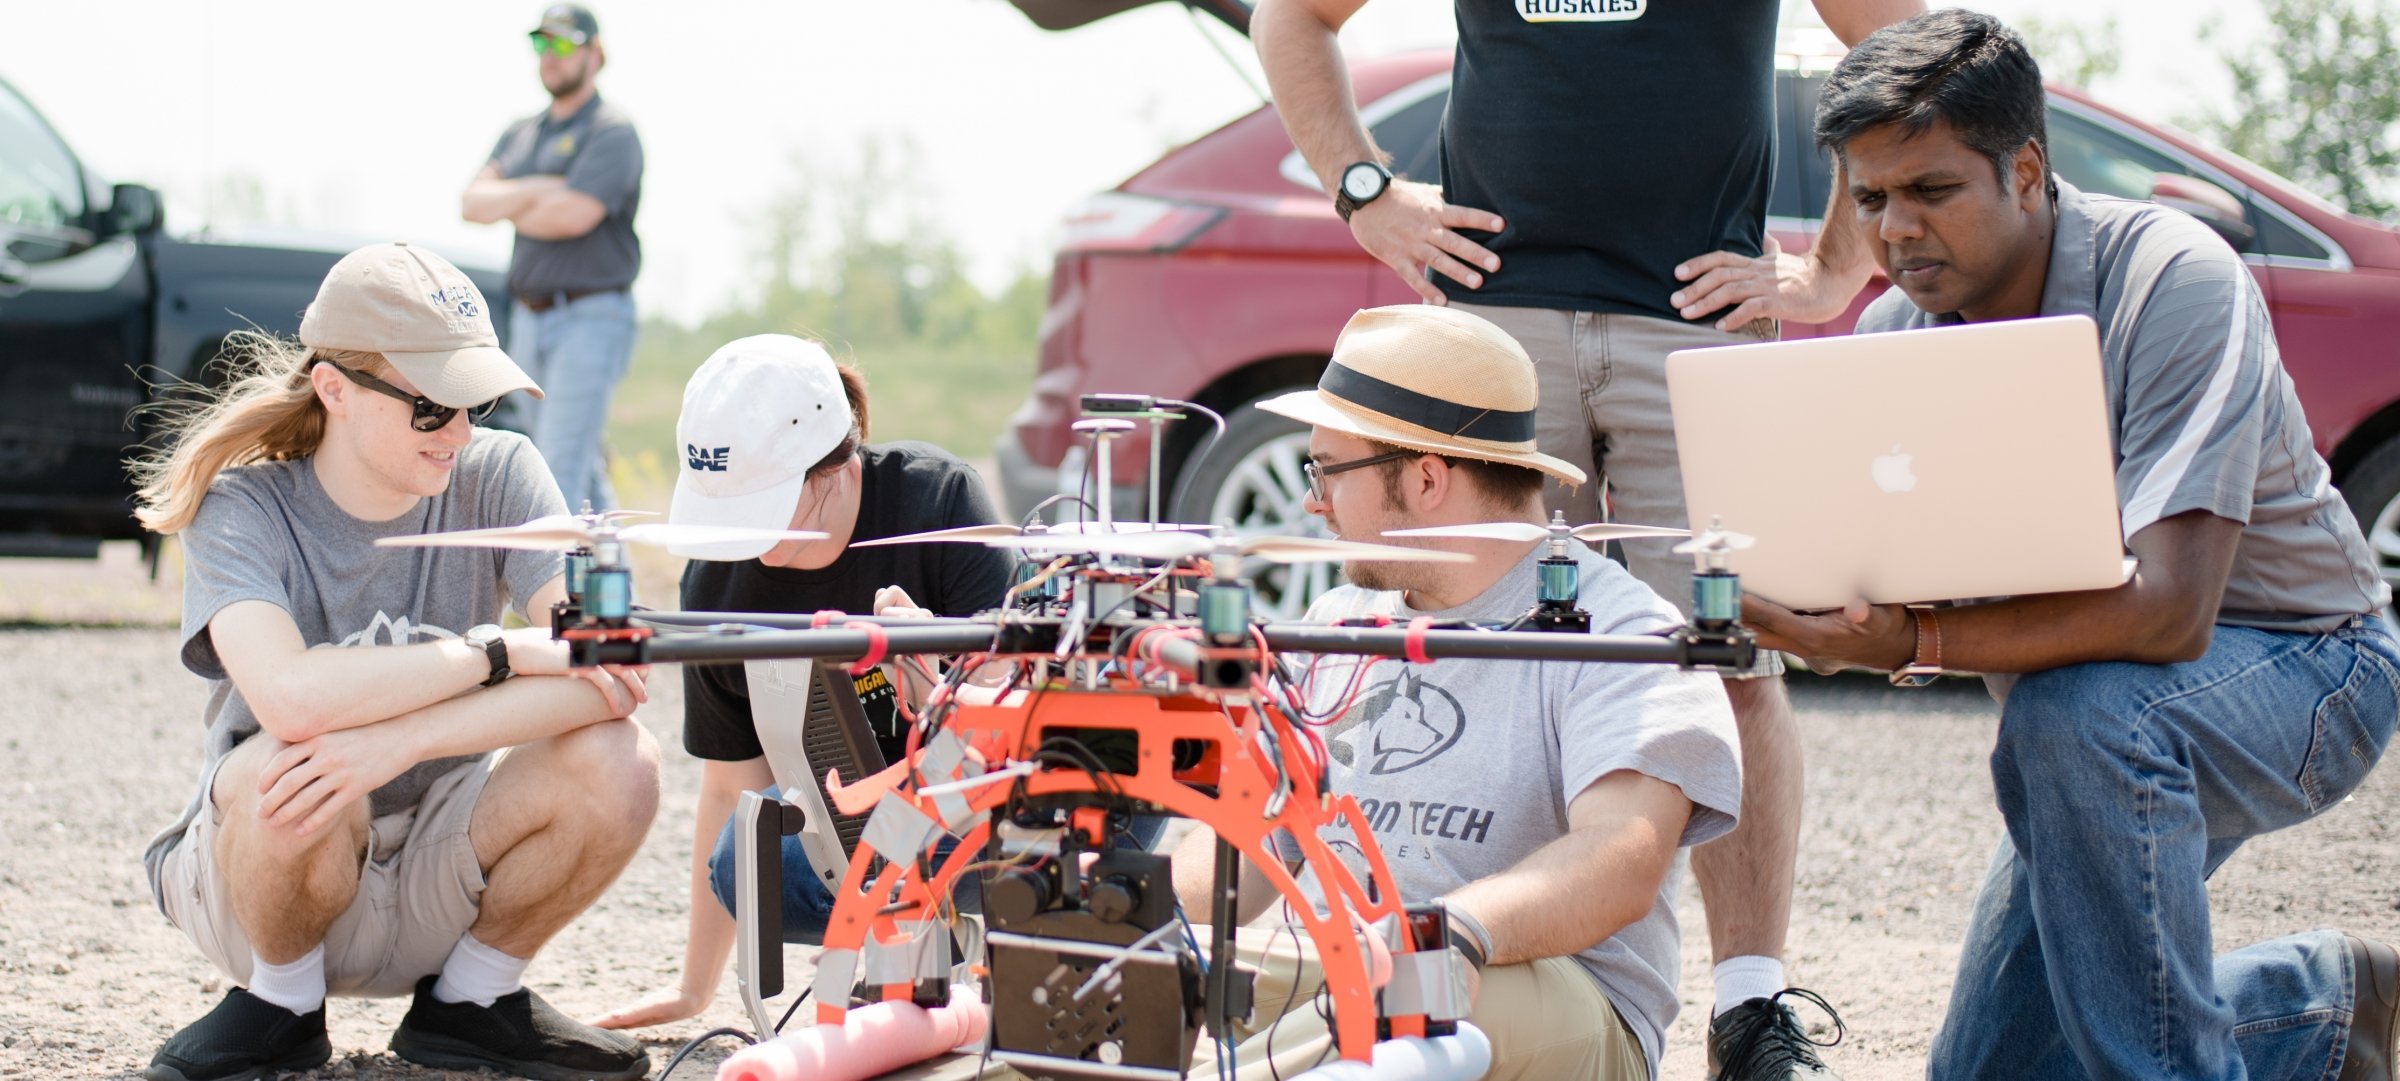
1605,166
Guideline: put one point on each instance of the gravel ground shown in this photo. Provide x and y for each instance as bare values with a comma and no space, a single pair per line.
102,742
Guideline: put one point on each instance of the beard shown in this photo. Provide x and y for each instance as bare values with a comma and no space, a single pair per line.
1382,576
570,84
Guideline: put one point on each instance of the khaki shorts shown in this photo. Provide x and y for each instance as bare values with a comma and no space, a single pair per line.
418,892
1548,1020
1604,410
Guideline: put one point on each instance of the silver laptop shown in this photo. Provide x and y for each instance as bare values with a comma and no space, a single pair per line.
810,721
1922,465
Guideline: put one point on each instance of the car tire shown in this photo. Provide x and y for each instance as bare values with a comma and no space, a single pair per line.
1252,478
2373,491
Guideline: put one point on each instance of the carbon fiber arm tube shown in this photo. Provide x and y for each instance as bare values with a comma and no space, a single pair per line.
790,621
831,643
1510,645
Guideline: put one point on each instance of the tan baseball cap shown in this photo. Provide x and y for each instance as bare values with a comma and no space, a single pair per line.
423,315
1429,378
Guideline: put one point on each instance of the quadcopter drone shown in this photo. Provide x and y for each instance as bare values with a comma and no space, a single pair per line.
1123,674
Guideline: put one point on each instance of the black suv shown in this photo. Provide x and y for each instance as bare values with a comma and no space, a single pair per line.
98,307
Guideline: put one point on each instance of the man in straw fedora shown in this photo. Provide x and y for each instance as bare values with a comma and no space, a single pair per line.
351,831
1543,802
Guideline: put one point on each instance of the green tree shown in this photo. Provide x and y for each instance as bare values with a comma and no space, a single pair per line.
2074,53
2318,99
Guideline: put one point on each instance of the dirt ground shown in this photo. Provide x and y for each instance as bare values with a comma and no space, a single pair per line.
103,742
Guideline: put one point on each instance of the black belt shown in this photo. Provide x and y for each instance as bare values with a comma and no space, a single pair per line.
548,301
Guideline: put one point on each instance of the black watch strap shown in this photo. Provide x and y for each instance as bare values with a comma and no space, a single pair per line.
1343,203
495,651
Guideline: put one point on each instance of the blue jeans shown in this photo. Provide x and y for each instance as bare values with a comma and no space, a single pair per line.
2124,786
577,350
808,905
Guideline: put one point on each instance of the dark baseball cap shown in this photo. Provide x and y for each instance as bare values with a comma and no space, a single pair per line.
573,22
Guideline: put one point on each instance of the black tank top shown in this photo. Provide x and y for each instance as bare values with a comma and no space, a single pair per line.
1616,138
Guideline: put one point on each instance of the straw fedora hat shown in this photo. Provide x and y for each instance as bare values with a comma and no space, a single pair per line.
1433,379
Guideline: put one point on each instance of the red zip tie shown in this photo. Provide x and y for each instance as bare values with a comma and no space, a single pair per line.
823,617
874,654
1414,644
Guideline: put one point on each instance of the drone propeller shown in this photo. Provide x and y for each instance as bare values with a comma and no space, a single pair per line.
1527,531
980,534
565,533
1714,539
1168,547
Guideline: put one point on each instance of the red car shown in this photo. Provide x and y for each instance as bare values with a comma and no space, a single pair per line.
1220,275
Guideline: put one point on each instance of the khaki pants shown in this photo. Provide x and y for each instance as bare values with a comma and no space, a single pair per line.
419,890
1604,410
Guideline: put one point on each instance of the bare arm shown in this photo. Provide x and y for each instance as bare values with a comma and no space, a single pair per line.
1814,288
298,693
563,214
1571,894
1853,20
1409,228
490,198
2166,614
709,938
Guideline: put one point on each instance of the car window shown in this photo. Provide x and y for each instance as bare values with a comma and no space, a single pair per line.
1413,137
2099,160
40,186
2104,162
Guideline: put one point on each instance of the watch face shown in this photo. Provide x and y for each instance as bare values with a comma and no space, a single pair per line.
1362,182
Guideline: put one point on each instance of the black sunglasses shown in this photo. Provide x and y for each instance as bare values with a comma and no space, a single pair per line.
426,415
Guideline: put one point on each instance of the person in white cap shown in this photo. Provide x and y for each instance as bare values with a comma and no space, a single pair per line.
352,832
773,436
1543,802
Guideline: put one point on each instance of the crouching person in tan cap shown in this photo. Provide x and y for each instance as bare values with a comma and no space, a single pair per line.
354,831
1542,801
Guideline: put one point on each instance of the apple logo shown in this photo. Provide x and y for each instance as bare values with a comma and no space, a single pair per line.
1892,473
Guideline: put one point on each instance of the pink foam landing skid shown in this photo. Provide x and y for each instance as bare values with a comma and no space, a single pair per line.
1463,1057
871,1040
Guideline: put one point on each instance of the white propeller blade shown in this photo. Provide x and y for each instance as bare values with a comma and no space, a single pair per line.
982,534
1716,540
563,533
1527,531
663,534
1167,547
966,534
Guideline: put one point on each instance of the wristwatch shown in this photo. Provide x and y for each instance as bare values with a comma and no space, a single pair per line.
1926,665
487,638
1362,183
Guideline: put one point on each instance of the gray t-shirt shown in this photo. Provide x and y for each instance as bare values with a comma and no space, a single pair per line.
268,532
598,153
1465,767
2202,413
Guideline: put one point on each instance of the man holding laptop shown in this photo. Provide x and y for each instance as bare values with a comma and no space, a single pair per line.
2241,681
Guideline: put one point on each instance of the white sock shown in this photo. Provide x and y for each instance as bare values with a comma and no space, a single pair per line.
478,973
1741,979
298,986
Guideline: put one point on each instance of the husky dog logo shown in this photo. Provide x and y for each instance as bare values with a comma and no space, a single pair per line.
1409,722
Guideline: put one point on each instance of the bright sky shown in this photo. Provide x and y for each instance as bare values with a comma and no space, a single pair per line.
364,120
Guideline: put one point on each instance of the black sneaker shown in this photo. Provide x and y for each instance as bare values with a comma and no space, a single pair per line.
517,1034
1761,1040
245,1037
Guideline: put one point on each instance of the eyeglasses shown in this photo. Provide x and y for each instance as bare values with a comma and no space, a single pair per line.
552,44
1317,472
426,415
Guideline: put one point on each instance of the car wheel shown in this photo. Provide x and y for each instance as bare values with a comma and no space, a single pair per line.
2373,492
1252,478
